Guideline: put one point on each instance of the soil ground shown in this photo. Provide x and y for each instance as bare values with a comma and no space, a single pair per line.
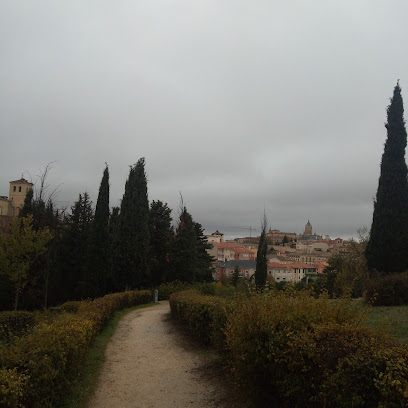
150,363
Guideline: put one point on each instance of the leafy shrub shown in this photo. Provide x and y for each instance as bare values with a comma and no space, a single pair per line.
293,350
167,289
15,324
73,306
389,290
206,288
53,353
308,352
12,387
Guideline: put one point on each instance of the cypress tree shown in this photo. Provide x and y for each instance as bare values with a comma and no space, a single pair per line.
161,234
113,284
99,248
387,249
261,261
133,231
142,224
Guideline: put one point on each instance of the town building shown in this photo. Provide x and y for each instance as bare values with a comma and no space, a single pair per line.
292,273
215,237
275,237
11,206
228,251
225,270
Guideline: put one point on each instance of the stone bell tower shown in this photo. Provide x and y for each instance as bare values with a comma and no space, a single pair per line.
17,194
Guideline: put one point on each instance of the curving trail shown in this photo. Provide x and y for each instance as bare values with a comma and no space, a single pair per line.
149,364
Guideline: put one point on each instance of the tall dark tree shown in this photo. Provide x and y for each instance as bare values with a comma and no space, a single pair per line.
183,254
99,259
204,260
387,249
133,231
161,234
112,283
73,251
261,261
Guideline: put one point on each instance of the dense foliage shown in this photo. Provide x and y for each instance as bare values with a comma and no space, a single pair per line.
346,272
291,350
161,234
90,253
19,249
389,290
189,261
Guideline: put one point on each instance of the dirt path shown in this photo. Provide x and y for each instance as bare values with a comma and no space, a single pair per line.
149,363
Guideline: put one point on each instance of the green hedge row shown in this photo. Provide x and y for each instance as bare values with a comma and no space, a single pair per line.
292,350
205,315
35,370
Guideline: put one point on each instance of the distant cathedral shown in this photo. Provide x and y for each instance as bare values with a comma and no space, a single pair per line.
308,229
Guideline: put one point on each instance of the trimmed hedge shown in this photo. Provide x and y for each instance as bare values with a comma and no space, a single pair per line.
36,369
15,324
293,350
204,315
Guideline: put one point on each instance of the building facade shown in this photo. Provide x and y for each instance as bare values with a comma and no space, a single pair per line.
11,206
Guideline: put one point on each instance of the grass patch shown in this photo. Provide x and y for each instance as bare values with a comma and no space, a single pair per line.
83,388
391,319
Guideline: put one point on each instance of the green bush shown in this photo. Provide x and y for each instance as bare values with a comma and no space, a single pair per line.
310,352
206,288
389,290
52,355
293,350
15,324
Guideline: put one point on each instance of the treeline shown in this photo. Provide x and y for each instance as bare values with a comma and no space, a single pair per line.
92,252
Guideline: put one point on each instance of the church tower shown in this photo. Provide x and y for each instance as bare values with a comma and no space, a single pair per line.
17,194
308,228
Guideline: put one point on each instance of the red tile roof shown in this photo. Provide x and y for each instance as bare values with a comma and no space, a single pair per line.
299,265
277,265
227,245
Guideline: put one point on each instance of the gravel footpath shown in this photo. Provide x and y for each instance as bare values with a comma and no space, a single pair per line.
150,363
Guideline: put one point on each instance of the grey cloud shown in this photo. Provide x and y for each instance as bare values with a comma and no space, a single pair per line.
239,106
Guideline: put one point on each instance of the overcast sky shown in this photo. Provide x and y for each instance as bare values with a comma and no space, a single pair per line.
240,106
